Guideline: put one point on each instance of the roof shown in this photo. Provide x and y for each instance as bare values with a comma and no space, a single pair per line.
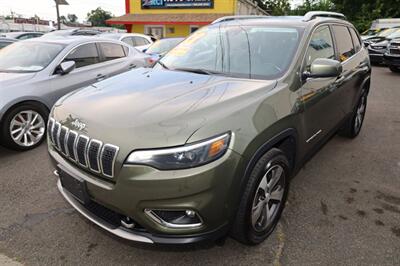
69,39
202,19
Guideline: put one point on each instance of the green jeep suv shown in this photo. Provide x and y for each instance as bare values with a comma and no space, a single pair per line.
204,144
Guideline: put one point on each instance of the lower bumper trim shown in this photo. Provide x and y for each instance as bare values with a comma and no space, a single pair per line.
116,231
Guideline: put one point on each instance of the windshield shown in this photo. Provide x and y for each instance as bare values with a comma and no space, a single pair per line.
387,32
394,35
163,46
28,56
257,52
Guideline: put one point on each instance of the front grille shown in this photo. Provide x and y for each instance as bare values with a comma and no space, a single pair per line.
395,51
88,153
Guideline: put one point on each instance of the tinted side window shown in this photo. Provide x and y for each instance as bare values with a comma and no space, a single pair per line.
128,41
84,55
344,42
4,44
321,46
356,40
112,51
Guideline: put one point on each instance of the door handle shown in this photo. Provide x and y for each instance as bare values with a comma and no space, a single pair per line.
131,66
100,77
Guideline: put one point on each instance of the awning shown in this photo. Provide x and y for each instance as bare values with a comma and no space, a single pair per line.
154,19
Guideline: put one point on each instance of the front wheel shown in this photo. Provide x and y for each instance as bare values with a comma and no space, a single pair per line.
394,69
24,127
263,200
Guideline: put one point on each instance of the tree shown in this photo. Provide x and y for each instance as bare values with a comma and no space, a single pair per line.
63,20
72,18
98,17
277,7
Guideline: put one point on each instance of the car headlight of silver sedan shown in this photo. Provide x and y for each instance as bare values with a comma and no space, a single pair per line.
187,156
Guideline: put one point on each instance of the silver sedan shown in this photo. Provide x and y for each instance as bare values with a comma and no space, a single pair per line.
35,73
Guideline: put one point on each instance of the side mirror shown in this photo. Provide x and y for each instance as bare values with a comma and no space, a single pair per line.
66,67
324,68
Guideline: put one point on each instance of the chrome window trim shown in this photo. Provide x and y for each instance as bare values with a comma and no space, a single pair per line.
98,155
84,150
113,161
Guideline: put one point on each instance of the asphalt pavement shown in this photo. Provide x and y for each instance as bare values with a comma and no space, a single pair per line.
343,208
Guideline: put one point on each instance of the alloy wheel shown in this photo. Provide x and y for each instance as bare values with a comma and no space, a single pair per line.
268,198
360,113
27,128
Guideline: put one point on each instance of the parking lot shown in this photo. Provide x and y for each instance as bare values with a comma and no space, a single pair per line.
343,208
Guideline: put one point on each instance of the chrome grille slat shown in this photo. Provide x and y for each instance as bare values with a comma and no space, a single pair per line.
93,155
71,144
82,150
56,134
63,139
107,159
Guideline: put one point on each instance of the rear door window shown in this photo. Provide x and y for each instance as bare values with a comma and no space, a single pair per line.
84,55
344,42
112,51
321,46
139,41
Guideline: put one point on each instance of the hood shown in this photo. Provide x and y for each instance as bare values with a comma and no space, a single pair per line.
147,108
10,79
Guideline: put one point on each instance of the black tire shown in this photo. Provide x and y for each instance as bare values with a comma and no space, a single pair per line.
394,69
243,230
5,134
351,128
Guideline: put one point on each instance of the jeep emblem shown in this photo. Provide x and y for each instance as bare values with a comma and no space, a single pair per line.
78,124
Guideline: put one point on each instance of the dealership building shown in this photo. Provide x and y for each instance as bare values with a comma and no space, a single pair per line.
179,18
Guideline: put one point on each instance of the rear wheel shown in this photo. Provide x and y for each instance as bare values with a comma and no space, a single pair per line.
263,200
353,126
24,127
394,69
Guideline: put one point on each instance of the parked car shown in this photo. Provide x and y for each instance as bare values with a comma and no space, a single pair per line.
35,73
72,32
139,41
21,35
6,42
377,50
381,36
158,49
392,56
207,141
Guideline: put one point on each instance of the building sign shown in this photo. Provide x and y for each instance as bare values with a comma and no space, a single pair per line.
160,4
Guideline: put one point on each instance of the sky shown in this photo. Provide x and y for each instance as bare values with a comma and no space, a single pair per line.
45,9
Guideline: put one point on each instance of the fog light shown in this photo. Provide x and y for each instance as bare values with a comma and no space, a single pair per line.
175,218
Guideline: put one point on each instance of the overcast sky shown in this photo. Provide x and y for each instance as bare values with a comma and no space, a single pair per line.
45,9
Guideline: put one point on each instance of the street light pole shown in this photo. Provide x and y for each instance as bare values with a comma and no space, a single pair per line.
59,2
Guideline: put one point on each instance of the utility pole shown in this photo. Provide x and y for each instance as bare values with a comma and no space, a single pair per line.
59,2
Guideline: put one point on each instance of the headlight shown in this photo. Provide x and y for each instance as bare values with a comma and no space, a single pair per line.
187,156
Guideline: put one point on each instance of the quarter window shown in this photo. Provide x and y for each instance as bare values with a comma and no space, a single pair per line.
321,46
128,40
84,55
356,40
139,41
344,42
112,51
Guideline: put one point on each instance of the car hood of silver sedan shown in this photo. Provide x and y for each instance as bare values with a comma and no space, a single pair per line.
12,79
153,108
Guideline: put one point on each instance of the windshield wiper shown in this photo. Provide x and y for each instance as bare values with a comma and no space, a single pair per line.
199,71
162,64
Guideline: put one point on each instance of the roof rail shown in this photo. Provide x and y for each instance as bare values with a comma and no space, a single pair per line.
239,17
314,14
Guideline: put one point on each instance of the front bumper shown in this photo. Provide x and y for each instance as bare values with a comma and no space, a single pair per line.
206,189
392,60
376,56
